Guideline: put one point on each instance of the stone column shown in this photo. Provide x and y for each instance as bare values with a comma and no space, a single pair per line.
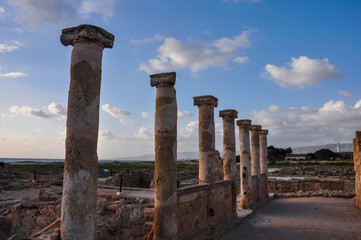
229,152
264,162
357,166
165,175
79,202
255,160
245,164
206,135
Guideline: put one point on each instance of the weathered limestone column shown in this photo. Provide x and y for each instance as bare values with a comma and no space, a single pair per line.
79,203
165,175
255,159
357,165
206,134
245,164
264,162
229,152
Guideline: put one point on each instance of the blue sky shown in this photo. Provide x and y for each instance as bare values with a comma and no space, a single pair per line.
290,66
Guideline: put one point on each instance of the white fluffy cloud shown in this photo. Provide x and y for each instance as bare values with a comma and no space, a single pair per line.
334,122
184,114
9,47
145,114
194,55
57,109
145,134
120,114
54,110
115,112
28,111
13,75
302,72
61,13
347,93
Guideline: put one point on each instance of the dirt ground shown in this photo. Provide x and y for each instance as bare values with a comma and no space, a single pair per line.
301,218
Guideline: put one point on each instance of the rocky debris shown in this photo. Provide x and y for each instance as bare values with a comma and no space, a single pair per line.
117,220
320,193
41,220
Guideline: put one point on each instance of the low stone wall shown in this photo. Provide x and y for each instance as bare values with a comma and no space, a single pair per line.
286,186
194,219
222,202
192,212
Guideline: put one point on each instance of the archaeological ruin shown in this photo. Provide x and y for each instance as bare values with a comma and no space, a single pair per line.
218,197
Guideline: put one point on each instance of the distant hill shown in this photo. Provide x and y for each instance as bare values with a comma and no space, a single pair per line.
344,147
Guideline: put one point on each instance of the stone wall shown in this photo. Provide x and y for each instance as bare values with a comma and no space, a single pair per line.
192,212
194,219
357,164
285,186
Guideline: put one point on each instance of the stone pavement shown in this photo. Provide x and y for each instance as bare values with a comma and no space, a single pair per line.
301,218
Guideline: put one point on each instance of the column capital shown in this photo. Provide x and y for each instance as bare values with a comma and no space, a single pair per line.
263,132
85,32
243,122
255,128
228,113
205,100
162,79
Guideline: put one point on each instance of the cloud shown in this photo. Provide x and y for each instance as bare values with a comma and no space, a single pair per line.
61,13
5,47
38,13
347,93
106,134
194,55
57,109
115,112
28,111
302,72
185,114
104,8
334,122
119,114
145,114
2,10
13,75
155,38
145,134
244,59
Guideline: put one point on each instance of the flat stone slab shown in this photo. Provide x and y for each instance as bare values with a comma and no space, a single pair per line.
301,218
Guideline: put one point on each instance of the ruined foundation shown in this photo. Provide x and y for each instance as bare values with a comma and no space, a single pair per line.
79,203
165,175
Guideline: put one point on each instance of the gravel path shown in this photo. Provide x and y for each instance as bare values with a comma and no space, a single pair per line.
301,218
